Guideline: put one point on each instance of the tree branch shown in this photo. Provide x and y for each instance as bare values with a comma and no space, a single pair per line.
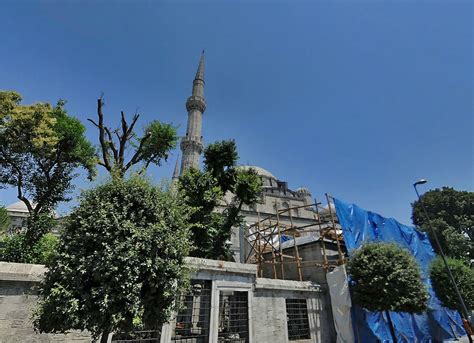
136,157
132,125
103,144
111,144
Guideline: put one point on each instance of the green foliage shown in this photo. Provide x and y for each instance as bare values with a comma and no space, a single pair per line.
219,160
153,146
5,220
386,277
212,222
452,215
162,138
38,225
15,248
442,285
40,148
120,262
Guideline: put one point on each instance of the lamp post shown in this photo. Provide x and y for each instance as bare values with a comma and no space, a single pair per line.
438,245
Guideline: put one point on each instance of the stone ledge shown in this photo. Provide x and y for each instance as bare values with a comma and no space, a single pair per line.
21,272
202,264
287,285
25,272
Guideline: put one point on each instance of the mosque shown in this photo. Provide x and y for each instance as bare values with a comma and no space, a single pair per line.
294,208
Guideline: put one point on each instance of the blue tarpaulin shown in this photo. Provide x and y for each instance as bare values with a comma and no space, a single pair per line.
436,324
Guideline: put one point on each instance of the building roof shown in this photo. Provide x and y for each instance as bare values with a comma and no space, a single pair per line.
260,171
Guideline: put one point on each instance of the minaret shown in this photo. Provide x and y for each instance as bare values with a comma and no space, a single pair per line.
191,144
176,171
174,180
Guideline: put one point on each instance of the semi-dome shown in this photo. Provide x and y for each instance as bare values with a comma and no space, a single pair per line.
260,171
303,191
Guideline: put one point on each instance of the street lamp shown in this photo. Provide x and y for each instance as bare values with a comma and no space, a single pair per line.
438,245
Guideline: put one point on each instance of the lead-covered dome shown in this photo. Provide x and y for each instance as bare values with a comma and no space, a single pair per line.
260,171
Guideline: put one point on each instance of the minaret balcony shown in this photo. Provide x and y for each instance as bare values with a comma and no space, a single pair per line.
192,144
196,103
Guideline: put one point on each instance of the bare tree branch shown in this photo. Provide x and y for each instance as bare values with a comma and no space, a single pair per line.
112,144
93,122
132,125
104,146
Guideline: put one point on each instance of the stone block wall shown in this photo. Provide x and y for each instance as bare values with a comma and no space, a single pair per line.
18,296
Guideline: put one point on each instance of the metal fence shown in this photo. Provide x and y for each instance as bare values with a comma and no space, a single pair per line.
192,321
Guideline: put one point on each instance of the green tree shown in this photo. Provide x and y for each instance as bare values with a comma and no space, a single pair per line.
40,149
5,220
153,146
120,261
452,215
442,285
213,220
386,277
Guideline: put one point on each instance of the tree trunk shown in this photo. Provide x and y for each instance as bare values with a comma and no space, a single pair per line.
390,325
104,337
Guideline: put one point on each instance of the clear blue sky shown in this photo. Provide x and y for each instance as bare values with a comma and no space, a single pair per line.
354,98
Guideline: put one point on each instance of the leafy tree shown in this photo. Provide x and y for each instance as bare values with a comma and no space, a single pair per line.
5,220
213,220
386,277
40,148
152,147
464,277
120,261
452,215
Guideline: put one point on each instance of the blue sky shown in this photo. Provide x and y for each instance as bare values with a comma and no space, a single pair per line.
355,98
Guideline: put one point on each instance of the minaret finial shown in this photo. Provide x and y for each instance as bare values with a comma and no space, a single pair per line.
200,70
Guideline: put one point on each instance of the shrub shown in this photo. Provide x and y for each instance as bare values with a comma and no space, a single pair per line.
386,277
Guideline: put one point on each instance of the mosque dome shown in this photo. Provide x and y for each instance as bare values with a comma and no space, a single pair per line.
303,191
260,171
18,206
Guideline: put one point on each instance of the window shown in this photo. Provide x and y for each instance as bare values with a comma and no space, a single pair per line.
192,321
297,319
233,317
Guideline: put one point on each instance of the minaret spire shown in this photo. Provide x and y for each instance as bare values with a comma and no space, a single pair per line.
176,170
191,144
200,70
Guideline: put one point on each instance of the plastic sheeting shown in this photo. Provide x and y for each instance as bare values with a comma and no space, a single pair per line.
341,304
436,324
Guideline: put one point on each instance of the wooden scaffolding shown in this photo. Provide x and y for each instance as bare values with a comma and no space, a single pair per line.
266,236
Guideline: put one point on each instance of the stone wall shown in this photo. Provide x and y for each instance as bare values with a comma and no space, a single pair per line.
18,295
267,317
